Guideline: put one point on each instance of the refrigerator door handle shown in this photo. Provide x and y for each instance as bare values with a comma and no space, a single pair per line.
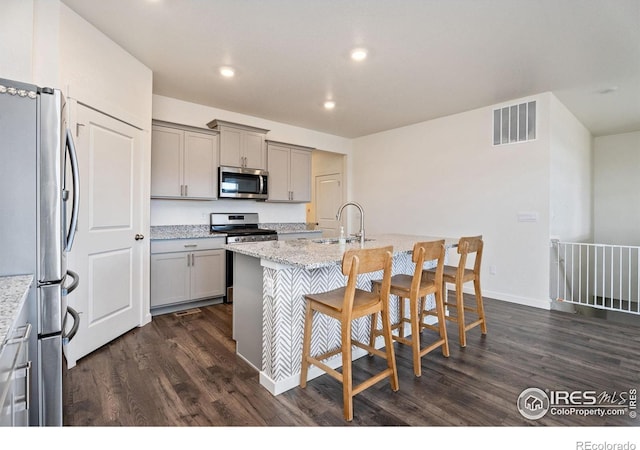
76,280
73,158
74,328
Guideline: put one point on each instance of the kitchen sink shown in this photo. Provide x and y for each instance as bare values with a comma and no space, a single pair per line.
348,240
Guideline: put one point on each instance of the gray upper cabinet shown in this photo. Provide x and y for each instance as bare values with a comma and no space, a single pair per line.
184,162
289,169
241,145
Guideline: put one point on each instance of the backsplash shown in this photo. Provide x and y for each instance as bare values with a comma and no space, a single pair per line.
188,212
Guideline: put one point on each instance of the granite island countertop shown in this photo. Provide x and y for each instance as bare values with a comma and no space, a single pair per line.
13,293
310,254
286,228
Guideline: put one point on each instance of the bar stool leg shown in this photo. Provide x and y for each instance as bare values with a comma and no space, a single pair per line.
347,381
374,321
401,319
442,326
306,346
415,336
391,356
460,313
480,306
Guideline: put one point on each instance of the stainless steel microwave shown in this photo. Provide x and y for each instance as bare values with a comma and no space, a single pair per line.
239,182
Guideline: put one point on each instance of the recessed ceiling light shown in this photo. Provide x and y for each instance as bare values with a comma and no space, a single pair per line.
329,104
227,72
358,54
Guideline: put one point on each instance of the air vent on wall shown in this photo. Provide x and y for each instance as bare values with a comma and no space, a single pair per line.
515,123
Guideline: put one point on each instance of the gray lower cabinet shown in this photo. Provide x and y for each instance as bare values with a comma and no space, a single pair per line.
185,271
15,374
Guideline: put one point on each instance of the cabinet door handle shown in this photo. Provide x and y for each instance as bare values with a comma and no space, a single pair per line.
27,382
190,245
193,260
186,190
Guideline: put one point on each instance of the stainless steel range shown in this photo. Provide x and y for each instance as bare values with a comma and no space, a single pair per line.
239,227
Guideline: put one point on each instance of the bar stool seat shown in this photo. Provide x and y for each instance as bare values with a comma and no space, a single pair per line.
346,304
416,288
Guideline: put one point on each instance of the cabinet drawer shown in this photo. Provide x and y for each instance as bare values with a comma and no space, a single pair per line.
186,245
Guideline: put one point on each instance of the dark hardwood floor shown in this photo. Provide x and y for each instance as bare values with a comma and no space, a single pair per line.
183,371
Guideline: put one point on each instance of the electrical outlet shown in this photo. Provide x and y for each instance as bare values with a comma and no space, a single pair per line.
493,270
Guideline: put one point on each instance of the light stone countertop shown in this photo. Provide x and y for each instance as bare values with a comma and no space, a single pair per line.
13,293
308,254
182,232
159,232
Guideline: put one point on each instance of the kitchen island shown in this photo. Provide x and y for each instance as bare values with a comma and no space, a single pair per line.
270,281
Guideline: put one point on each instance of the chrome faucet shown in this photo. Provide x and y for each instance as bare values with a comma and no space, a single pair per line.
357,205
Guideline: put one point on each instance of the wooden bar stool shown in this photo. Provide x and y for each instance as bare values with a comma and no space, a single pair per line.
458,275
416,288
346,304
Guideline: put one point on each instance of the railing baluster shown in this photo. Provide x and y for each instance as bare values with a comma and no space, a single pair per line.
588,269
638,278
580,274
629,278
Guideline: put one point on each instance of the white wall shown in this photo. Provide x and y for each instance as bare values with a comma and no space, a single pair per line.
617,189
571,193
445,178
46,43
99,73
177,212
16,40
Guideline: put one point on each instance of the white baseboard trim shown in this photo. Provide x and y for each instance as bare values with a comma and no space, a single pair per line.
526,301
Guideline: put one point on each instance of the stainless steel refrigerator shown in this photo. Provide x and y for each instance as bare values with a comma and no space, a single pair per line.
38,218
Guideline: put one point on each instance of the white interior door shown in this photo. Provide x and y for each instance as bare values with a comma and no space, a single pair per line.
106,255
328,193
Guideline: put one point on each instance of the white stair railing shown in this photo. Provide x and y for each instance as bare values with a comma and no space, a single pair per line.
596,275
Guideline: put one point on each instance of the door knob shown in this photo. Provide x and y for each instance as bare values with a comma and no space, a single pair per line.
139,237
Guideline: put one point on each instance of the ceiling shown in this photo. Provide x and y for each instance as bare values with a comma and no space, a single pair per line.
426,58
